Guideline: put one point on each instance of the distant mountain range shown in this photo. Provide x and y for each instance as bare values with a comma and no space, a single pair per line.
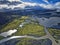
8,15
31,12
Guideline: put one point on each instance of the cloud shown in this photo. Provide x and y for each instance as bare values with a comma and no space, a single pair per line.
46,1
13,0
24,4
57,5
46,6
3,6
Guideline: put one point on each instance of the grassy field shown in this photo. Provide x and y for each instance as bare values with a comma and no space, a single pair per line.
31,29
24,41
1,37
12,25
29,41
55,33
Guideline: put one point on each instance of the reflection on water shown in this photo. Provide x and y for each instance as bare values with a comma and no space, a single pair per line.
48,22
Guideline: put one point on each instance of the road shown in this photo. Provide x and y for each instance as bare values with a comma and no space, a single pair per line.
50,37
25,36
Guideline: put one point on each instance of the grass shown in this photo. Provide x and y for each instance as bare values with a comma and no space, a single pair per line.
12,25
55,33
31,29
1,37
29,41
24,41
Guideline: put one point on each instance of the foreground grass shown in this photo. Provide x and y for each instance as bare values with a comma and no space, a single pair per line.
12,25
24,41
29,41
55,33
1,37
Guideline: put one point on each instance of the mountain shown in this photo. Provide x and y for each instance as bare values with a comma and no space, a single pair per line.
34,11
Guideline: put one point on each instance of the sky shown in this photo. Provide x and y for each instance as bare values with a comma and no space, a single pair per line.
22,4
42,1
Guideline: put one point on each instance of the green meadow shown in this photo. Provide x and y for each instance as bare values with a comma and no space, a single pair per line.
55,33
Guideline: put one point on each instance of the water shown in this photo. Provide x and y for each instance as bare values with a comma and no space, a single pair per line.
48,22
